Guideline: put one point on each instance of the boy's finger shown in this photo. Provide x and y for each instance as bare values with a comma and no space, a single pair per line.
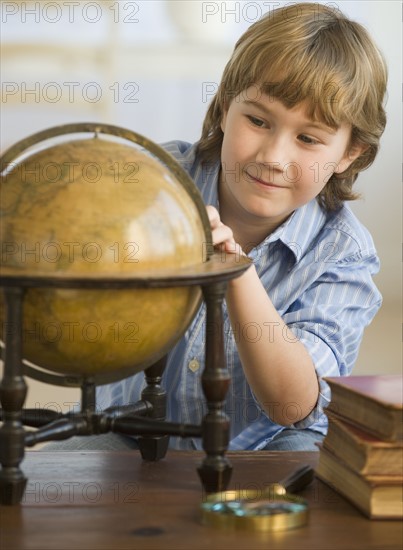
221,234
214,216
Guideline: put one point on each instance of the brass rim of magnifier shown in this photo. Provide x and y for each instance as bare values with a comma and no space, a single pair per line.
12,154
296,516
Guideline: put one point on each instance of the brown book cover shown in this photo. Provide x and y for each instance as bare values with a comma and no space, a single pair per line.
378,497
372,402
363,452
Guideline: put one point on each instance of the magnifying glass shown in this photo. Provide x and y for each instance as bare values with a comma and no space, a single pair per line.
273,509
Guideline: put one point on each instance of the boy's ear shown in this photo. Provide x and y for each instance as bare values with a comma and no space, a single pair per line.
350,156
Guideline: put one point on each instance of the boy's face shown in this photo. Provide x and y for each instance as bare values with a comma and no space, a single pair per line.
276,159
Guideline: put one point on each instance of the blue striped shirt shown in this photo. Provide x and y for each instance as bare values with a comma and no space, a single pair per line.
317,268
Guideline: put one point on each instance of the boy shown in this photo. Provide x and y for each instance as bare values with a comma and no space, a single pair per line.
297,116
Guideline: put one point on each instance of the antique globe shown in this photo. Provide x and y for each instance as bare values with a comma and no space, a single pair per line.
102,203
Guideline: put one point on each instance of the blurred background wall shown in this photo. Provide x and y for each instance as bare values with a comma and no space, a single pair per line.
153,67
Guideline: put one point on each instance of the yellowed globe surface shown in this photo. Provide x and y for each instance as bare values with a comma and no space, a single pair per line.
96,207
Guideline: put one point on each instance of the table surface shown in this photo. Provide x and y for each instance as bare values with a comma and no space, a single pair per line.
115,500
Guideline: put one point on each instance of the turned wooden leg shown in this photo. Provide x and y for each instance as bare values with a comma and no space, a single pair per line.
13,391
215,470
88,396
154,447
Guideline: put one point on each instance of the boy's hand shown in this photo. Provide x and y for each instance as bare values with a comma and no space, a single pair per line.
223,238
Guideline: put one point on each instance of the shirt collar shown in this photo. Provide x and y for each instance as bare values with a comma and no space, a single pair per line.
298,231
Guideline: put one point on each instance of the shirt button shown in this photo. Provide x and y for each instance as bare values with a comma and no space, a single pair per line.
194,365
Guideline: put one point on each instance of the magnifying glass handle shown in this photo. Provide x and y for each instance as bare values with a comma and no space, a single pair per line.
298,479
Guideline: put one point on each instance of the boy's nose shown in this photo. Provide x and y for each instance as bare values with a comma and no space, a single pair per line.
273,152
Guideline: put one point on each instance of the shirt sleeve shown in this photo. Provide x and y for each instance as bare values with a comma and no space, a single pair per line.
329,319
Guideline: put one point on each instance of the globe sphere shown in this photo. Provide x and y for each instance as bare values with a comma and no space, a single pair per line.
96,207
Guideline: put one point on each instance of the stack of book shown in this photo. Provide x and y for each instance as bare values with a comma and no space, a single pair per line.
361,456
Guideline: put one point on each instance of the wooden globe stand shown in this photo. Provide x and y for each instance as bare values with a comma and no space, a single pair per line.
146,418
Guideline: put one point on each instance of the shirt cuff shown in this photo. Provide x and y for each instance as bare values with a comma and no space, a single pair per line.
326,364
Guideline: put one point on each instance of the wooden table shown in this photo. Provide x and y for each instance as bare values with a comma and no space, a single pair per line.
115,500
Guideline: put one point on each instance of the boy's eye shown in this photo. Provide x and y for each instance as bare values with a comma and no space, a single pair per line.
308,140
256,121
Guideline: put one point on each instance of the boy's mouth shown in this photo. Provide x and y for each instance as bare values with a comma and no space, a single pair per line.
268,184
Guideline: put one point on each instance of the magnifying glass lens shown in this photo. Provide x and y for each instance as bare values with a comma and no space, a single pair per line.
260,508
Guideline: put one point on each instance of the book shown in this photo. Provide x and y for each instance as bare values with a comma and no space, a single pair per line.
378,497
372,402
363,452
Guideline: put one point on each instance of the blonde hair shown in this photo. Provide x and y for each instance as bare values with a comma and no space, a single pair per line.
313,53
